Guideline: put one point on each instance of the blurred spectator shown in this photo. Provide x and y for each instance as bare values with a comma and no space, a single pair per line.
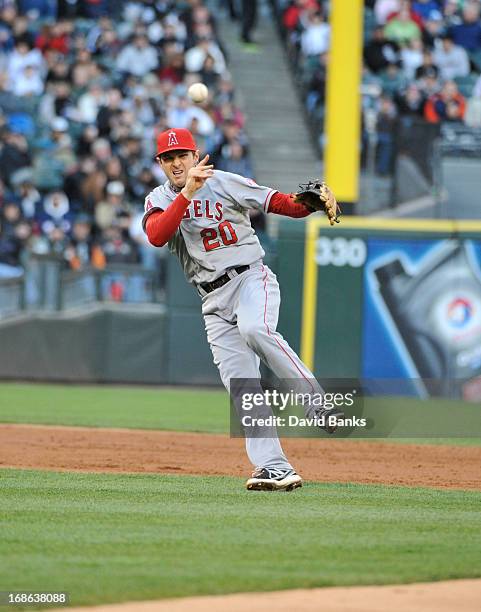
114,171
426,9
10,255
297,11
427,66
138,58
8,16
393,79
434,27
84,69
28,83
142,183
292,13
452,60
54,37
196,56
89,103
384,8
46,9
451,11
411,101
109,112
477,88
228,112
94,9
385,128
106,46
14,154
174,69
209,75
468,33
21,57
60,144
248,17
11,217
140,105
57,241
447,105
429,84
412,57
24,189
402,28
183,112
315,38
87,137
109,210
56,102
82,251
472,117
317,84
225,91
102,150
406,6
92,183
118,247
380,52
55,212
233,158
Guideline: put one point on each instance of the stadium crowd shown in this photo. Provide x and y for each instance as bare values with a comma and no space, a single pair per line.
85,87
422,59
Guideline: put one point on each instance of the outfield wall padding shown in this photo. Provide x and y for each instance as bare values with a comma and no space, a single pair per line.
101,345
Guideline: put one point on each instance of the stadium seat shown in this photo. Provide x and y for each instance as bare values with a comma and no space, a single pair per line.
466,84
475,57
21,123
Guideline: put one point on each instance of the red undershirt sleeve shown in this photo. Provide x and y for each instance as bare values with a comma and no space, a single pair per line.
161,225
283,204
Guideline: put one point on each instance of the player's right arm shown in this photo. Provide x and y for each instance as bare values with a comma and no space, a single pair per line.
161,225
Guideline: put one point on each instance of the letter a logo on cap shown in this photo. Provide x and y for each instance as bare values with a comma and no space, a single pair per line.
172,139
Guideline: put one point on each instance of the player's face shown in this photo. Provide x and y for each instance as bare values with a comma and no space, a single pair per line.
177,164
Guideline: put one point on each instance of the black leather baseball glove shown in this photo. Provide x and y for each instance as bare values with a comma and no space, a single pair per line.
316,195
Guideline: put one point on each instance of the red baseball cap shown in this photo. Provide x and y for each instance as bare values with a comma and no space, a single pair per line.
175,139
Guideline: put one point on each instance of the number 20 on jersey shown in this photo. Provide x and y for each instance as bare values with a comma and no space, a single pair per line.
223,235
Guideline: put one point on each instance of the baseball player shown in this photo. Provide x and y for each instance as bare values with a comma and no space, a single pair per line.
203,214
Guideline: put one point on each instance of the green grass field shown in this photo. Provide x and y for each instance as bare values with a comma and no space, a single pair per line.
131,407
195,410
114,537
110,537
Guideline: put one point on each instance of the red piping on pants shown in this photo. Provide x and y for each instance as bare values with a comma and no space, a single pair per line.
277,341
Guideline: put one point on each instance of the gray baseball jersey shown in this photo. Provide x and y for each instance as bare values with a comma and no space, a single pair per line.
215,233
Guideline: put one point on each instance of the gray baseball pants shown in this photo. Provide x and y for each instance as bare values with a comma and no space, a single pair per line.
240,320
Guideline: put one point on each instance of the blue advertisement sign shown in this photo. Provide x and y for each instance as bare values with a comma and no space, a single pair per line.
422,314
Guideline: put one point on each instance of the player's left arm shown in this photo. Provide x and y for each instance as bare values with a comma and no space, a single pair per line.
285,204
248,194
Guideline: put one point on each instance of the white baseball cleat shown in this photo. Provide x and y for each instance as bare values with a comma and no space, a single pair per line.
273,479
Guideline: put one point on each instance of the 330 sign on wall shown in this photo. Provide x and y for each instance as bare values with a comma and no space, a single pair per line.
341,252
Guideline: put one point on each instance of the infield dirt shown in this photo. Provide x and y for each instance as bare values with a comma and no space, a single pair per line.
125,450
425,597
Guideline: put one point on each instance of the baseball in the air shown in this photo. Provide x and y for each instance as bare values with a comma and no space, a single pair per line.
198,92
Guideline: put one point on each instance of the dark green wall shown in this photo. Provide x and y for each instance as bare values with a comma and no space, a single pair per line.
114,344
